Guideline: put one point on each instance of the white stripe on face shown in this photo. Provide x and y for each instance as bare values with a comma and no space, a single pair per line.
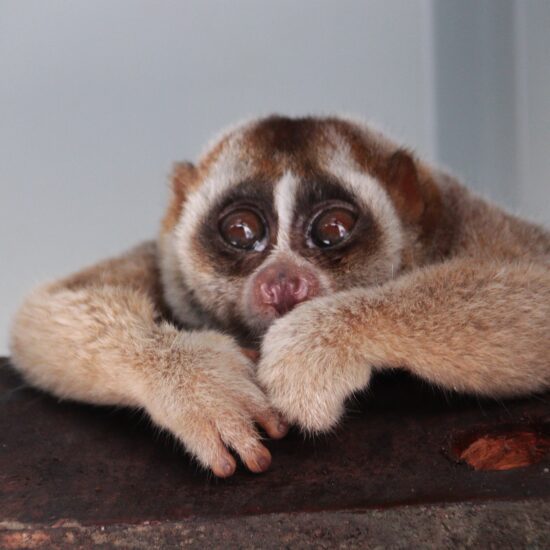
285,197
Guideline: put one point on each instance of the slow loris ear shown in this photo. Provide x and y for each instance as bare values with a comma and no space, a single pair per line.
404,187
184,177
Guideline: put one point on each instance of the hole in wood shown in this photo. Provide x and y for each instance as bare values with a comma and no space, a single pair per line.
503,448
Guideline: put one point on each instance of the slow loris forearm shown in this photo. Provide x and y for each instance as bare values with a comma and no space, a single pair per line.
468,326
80,337
464,325
97,336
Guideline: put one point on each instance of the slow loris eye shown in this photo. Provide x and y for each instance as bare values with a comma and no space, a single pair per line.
244,229
331,226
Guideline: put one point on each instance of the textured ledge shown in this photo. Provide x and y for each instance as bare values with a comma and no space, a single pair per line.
497,525
72,473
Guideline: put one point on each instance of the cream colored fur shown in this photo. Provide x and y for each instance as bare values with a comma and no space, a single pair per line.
98,337
284,204
152,328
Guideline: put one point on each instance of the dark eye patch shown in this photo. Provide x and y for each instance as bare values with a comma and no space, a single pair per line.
324,194
226,259
318,189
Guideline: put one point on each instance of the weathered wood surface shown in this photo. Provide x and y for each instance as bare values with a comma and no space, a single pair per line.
68,469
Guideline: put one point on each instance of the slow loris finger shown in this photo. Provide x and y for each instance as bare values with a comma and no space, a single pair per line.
272,423
241,436
206,445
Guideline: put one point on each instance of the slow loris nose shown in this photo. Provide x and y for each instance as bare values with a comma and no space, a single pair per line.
283,286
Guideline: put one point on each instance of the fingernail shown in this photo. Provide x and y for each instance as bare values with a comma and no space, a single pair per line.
263,462
282,427
227,467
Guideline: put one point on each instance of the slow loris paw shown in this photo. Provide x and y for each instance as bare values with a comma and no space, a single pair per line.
211,403
309,365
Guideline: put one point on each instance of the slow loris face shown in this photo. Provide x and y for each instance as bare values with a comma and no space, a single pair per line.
282,210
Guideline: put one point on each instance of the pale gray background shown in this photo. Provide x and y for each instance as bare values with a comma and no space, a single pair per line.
97,99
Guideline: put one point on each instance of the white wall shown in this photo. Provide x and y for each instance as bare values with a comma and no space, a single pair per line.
492,90
475,75
532,21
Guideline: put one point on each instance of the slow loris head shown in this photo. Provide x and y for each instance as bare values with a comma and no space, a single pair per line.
281,210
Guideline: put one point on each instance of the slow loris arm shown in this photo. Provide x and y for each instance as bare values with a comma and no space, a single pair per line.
98,337
468,326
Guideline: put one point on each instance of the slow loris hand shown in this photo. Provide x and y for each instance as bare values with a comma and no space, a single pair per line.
212,403
309,368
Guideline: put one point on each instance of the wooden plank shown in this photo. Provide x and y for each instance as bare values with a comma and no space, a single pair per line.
63,463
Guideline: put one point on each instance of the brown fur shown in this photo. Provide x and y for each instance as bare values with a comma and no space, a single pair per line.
184,178
432,279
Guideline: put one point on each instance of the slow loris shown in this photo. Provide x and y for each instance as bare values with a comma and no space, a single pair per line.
338,251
